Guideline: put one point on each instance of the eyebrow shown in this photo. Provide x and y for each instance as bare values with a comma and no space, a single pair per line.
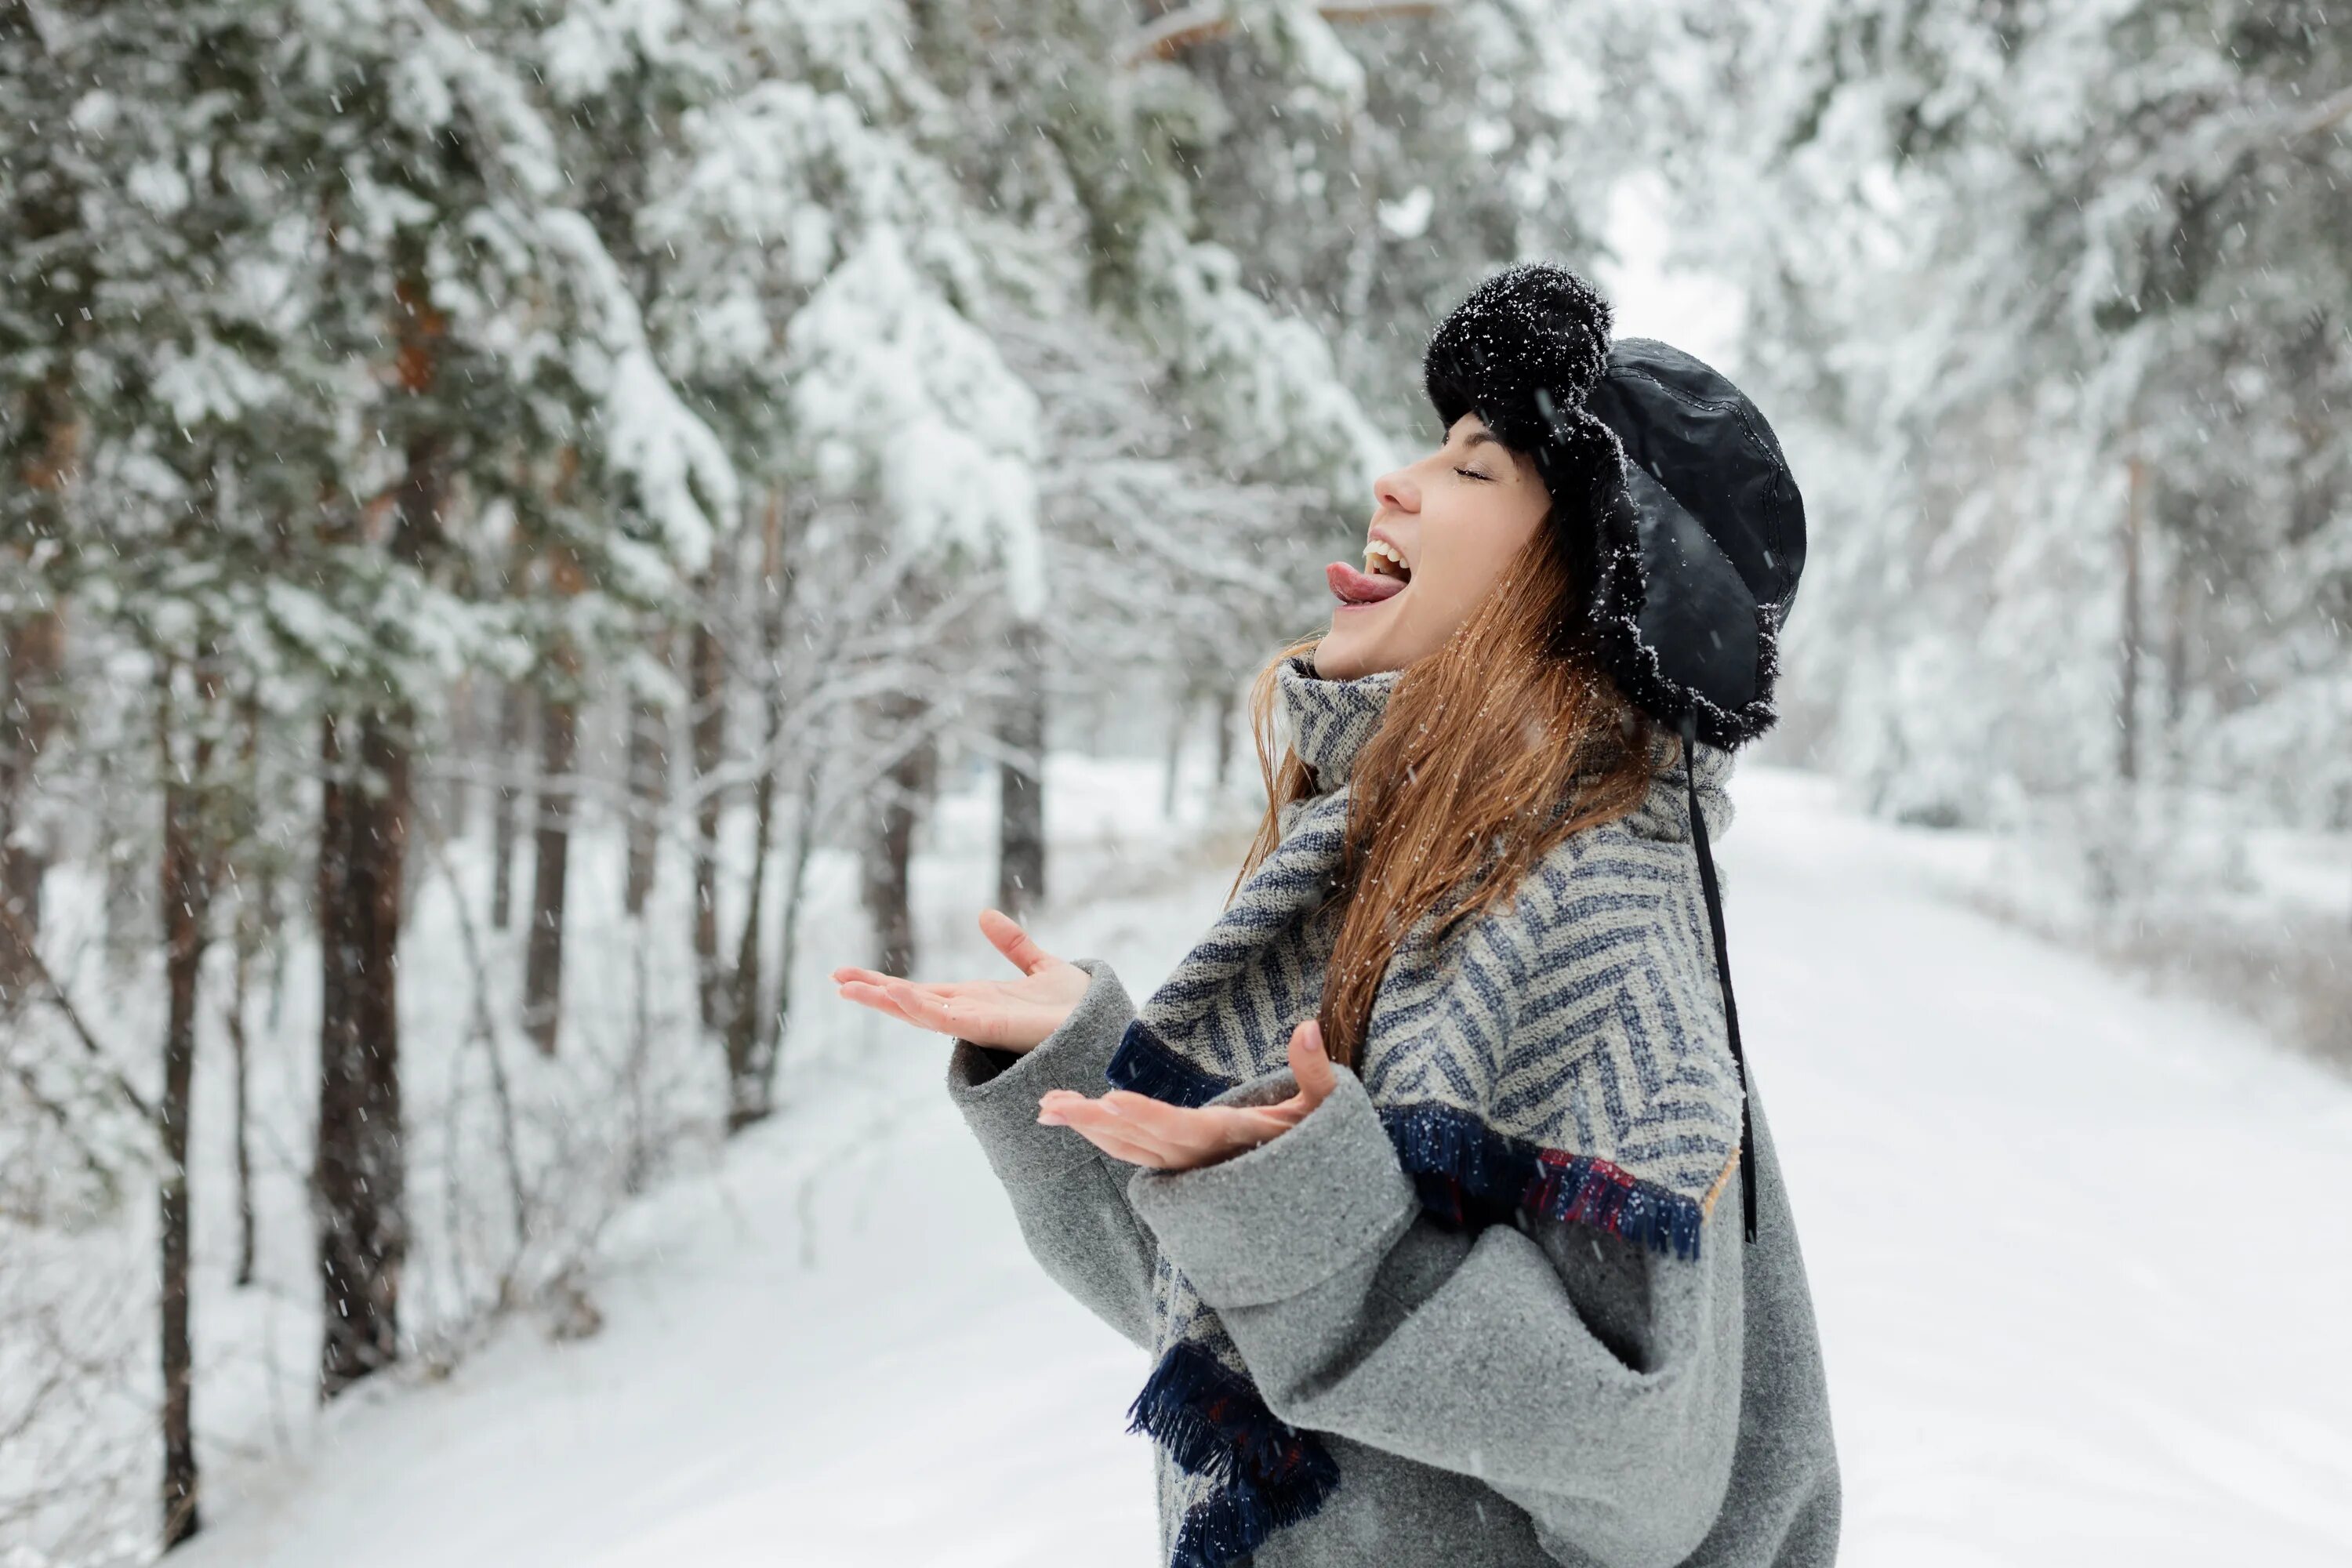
1480,437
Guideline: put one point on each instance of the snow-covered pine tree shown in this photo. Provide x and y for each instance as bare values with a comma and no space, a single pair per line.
1368,168
2049,295
45,316
509,389
165,531
824,299
1191,463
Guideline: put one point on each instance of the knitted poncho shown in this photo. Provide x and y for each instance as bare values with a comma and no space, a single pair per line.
1563,1055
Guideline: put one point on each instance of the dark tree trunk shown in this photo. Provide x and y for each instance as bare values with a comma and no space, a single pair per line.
1021,781
359,1175
745,1100
648,789
771,1023
2179,641
35,653
359,1179
1225,705
746,1078
186,897
257,894
2127,700
129,907
454,815
512,718
543,963
706,685
31,647
890,838
242,1062
1175,753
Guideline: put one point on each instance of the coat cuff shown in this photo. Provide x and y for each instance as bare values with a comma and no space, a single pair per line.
1284,1216
999,1100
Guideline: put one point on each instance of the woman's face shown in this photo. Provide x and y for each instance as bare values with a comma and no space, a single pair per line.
1456,518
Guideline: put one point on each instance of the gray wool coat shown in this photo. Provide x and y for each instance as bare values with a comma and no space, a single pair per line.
1535,1395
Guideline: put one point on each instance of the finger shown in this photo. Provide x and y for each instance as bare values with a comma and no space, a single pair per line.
1068,1108
949,1014
1176,1127
1103,1127
916,1002
848,973
1055,1101
872,996
1007,935
1114,1142
1311,1064
1219,1132
1256,1124
1134,1154
1165,1136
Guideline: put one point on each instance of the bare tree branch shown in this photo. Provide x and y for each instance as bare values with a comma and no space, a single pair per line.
14,931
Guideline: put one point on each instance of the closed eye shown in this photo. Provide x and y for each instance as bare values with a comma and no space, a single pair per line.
1473,473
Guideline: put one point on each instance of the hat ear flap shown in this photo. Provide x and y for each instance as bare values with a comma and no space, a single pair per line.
1677,627
1696,610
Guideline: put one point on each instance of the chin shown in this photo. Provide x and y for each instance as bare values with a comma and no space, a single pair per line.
1345,654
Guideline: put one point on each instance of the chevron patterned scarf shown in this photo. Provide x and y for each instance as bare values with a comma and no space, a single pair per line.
1564,1054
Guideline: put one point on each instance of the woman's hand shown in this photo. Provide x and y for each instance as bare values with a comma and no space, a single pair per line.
1011,1015
1146,1132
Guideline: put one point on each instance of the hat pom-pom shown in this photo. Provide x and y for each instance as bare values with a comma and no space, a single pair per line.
1523,351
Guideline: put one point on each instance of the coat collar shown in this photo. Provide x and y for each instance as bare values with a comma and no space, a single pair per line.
1331,720
1665,813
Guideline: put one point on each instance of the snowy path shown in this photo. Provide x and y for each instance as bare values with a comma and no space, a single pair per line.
2081,1257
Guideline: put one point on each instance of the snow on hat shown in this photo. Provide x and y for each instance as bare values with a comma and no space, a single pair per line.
1698,531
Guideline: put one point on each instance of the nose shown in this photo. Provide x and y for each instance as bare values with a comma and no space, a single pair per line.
1396,491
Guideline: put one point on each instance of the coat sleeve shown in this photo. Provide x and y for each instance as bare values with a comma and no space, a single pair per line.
1071,1205
1593,1384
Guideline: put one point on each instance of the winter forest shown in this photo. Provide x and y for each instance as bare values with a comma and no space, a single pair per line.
529,532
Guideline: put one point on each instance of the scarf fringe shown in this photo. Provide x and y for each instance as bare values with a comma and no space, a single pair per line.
1214,1423
1235,1522
1269,1475
1455,1148
1580,1190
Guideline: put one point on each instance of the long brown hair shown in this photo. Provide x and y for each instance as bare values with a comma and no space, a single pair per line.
1492,750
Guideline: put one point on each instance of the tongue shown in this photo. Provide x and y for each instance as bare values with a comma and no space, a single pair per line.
1355,587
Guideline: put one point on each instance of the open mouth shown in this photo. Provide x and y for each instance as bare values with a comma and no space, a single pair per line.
1383,577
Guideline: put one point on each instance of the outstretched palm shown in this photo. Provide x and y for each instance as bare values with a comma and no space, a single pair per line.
1142,1132
1012,1015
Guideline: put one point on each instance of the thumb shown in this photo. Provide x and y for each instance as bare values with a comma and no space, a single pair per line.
1005,933
1311,1064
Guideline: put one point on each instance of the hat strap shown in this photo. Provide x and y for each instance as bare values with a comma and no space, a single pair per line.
1689,727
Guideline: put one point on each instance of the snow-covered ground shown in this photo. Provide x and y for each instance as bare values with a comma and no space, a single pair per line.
2080,1255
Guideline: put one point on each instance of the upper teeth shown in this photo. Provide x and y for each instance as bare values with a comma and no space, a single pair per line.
1379,549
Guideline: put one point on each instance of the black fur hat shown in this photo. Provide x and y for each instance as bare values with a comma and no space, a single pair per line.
1697,529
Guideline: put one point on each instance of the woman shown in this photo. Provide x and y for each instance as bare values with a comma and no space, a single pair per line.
1459,1285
